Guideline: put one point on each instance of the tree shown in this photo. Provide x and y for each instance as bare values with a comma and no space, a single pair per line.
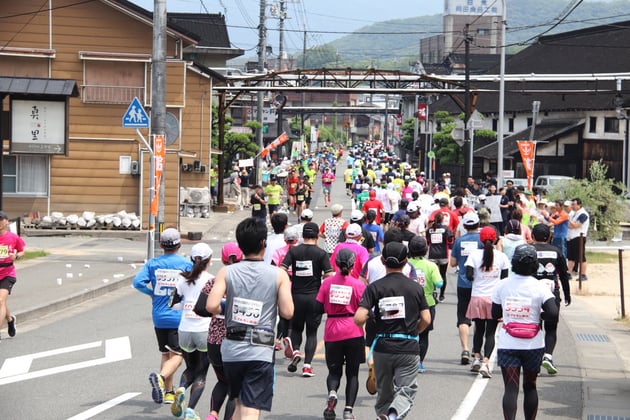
240,145
600,197
407,140
446,149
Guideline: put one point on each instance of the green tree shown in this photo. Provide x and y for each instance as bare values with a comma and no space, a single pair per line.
241,145
407,128
446,149
599,197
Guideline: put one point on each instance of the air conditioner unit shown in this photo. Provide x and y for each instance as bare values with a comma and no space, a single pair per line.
202,168
198,195
135,167
197,165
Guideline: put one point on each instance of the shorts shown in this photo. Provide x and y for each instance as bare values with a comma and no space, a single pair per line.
432,312
348,185
273,208
168,340
573,247
463,299
350,352
7,283
480,307
527,359
326,189
190,341
252,382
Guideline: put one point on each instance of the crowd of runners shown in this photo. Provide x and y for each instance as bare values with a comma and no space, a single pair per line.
378,276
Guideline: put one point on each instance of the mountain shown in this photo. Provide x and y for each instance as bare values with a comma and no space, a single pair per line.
393,44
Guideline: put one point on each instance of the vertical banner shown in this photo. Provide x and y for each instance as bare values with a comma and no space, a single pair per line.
422,112
528,154
158,156
314,135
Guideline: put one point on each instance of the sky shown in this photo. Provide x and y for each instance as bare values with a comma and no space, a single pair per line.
323,20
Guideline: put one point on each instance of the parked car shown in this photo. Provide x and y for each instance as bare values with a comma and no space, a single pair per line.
545,182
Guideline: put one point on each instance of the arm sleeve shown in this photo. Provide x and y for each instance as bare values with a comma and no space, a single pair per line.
550,310
497,311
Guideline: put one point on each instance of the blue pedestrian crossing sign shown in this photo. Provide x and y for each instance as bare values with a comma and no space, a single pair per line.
136,116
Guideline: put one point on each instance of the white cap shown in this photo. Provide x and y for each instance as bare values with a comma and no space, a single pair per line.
353,230
307,214
202,250
482,197
356,215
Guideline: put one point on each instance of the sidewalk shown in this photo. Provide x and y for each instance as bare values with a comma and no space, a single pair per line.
90,266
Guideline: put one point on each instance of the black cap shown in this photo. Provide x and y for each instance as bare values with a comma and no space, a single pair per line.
541,232
310,230
394,255
3,215
444,201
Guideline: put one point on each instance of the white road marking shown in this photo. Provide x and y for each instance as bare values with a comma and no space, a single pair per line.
16,369
105,406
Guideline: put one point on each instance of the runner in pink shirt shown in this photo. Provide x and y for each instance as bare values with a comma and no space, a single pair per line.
339,297
353,243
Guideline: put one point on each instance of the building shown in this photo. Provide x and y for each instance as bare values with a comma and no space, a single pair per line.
104,48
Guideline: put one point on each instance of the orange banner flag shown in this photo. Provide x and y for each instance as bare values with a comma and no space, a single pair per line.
158,156
283,138
528,154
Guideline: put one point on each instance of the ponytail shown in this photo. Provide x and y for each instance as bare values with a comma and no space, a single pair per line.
199,266
488,255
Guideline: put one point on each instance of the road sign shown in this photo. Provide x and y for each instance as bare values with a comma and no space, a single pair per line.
136,116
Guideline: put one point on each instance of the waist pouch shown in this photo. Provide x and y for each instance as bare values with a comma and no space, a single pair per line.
258,336
521,330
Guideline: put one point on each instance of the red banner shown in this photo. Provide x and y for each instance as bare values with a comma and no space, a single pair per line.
422,112
283,138
528,154
158,156
398,119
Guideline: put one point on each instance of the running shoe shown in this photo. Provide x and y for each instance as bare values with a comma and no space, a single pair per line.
484,370
476,365
177,409
584,277
421,368
294,361
157,387
347,415
191,414
547,363
465,357
441,298
370,383
308,372
288,347
169,397
11,325
329,412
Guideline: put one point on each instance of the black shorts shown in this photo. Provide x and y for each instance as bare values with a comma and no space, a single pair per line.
273,208
350,352
252,382
168,340
7,283
527,359
573,248
463,299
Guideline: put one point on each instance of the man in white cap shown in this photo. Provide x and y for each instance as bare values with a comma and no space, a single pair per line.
158,279
330,228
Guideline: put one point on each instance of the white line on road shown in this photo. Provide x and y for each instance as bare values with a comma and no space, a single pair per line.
105,406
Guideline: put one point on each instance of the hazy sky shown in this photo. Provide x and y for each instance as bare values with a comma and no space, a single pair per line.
323,20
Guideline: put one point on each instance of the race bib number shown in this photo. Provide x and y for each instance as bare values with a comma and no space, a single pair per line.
518,308
300,197
165,281
246,311
339,294
189,312
4,251
257,207
422,278
436,238
468,247
392,307
304,268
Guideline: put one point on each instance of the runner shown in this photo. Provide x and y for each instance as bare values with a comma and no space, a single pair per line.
520,301
327,179
192,332
440,240
162,273
11,249
339,297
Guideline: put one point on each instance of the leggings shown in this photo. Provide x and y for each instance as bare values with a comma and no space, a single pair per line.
195,374
423,338
487,328
511,377
220,390
305,315
351,353
443,268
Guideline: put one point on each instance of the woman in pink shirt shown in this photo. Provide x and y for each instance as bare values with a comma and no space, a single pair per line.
339,297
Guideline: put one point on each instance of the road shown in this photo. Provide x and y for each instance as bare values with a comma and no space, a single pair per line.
99,355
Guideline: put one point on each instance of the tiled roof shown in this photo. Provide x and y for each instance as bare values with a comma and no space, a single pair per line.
38,86
209,29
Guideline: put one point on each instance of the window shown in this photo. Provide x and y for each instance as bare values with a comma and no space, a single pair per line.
25,174
611,125
530,120
592,124
110,78
511,125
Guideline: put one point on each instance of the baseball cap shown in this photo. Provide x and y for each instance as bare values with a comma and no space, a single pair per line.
488,233
372,194
3,215
170,238
310,230
394,254
201,250
353,230
470,219
482,197
528,192
541,232
231,249
291,234
443,201
412,207
307,214
336,209
356,215
566,204
344,258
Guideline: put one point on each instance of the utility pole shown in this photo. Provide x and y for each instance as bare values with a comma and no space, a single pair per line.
158,110
282,17
467,143
262,47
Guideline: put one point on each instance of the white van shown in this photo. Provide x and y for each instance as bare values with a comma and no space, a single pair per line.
545,182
